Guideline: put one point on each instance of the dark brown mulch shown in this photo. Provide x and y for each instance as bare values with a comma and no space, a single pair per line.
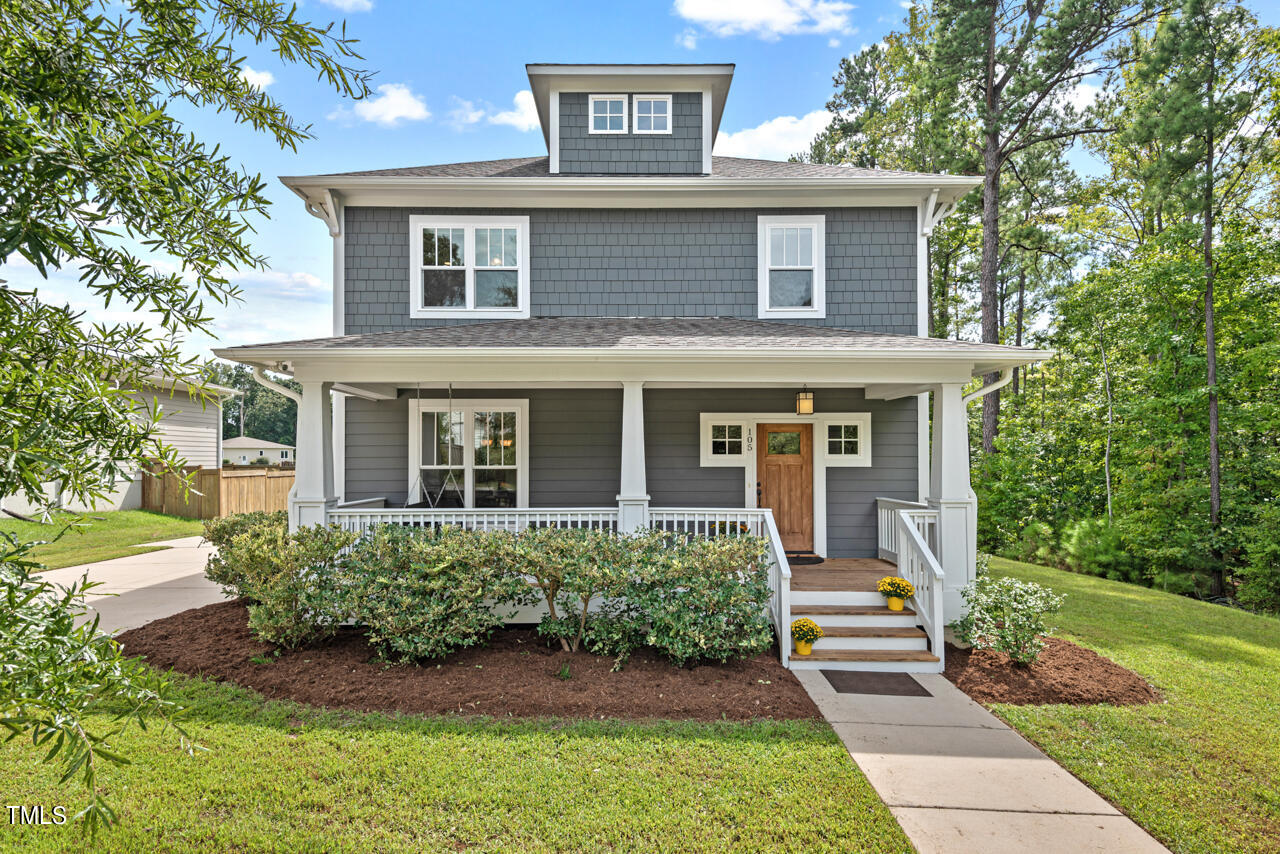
515,675
1065,673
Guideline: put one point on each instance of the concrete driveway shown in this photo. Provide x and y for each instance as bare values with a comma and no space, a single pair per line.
147,586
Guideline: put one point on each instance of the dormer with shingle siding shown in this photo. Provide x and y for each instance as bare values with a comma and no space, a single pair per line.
630,119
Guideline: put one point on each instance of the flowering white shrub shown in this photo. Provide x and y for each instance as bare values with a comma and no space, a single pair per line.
1007,615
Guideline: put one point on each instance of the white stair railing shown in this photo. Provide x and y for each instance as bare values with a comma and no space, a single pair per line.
917,564
780,585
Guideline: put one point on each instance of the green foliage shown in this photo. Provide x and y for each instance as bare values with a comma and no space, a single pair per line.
1037,543
1260,578
702,599
424,593
220,532
1094,547
1007,615
266,414
57,674
291,580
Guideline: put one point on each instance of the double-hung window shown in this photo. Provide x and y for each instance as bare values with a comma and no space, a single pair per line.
472,453
608,113
792,266
653,113
464,266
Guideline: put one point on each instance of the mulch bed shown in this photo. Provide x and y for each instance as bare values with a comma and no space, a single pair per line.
515,675
1065,673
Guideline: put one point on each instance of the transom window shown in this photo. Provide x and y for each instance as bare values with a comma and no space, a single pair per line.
469,266
608,113
469,455
653,114
792,273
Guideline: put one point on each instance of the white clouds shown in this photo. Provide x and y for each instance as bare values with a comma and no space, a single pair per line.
688,39
523,117
766,19
776,139
350,5
257,79
833,42
463,114
395,103
1083,95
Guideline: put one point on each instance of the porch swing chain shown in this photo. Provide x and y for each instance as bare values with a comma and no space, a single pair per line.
449,482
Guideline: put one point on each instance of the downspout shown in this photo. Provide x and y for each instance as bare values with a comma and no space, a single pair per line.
1006,377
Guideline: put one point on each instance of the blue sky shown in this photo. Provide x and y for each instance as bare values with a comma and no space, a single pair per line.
451,86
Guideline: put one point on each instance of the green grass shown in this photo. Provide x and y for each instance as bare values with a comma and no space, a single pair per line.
282,777
1201,771
99,536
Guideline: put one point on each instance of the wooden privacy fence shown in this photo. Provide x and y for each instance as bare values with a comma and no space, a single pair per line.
215,493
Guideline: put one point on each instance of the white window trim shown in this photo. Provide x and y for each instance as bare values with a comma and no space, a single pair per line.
468,407
821,459
818,223
470,223
862,459
591,111
635,114
709,460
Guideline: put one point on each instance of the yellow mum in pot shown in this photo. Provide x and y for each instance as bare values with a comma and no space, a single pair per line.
805,632
896,590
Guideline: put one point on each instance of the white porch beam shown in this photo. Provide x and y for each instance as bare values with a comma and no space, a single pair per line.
368,391
633,493
313,485
895,391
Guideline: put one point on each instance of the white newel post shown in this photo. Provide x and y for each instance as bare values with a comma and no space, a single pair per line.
313,488
950,495
633,495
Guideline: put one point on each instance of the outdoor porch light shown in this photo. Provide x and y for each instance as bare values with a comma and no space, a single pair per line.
804,402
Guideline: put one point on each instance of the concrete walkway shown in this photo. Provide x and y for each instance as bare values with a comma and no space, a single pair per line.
959,780
147,586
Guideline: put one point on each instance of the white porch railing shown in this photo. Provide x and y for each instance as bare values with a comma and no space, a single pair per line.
487,519
917,564
922,516
780,584
709,522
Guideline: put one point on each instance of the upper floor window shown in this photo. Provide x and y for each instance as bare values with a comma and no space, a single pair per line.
467,266
653,114
792,266
608,113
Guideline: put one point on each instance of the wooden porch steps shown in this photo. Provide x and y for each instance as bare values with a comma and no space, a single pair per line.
873,632
849,611
868,655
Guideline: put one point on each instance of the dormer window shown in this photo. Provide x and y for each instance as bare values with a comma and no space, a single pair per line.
653,114
608,113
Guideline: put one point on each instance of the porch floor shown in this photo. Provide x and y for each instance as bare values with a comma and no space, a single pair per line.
851,574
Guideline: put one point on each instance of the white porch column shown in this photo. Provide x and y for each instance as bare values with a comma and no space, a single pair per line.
950,495
633,495
313,490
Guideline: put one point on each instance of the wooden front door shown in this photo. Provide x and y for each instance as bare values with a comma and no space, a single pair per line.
784,480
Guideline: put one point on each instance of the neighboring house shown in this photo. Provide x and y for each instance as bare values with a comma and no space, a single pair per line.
190,424
245,450
631,332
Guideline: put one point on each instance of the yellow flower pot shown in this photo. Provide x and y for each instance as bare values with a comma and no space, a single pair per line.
895,604
804,647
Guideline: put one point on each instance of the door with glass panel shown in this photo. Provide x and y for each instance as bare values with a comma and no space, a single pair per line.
469,458
784,481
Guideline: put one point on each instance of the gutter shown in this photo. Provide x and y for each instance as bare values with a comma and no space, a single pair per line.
1006,377
261,379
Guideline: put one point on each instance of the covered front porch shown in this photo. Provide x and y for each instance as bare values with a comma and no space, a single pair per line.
689,426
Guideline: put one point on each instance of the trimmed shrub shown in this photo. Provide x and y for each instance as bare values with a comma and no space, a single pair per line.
1094,547
291,580
1009,616
1260,580
220,532
424,593
702,599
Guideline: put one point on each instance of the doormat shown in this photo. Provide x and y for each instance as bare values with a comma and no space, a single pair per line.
803,558
868,682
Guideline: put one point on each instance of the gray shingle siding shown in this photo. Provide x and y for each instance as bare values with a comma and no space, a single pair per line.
650,262
575,451
676,153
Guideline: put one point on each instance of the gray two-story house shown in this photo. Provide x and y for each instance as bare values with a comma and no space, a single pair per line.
632,332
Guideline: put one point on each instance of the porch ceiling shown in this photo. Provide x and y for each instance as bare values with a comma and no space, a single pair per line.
720,350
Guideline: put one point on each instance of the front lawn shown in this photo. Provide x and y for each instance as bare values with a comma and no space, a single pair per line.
99,536
279,776
1201,771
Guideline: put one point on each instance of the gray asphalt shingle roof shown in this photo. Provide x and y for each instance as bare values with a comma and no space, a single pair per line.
634,333
539,167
